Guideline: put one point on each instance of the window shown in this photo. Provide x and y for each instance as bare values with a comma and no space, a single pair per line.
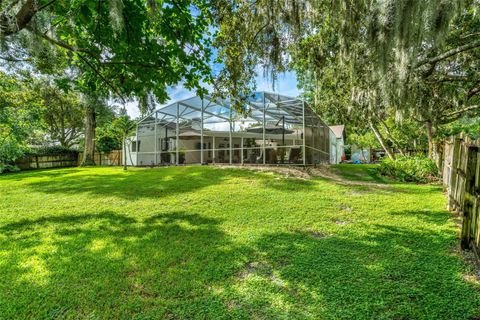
164,144
136,146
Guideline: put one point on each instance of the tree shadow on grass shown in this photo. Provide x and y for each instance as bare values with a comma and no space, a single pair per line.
360,173
39,173
183,265
392,273
437,217
108,265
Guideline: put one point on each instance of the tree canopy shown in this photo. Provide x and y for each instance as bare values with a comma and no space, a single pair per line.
121,47
113,49
360,62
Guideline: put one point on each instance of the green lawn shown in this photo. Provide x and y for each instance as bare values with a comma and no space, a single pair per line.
204,242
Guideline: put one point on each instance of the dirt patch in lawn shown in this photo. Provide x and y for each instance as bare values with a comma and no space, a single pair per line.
319,171
288,172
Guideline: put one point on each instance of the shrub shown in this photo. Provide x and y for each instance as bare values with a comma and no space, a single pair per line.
6,168
11,150
106,143
409,169
53,150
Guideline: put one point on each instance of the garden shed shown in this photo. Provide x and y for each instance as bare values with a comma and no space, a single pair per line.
270,129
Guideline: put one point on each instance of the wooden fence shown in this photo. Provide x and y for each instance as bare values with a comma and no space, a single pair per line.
47,161
112,158
461,177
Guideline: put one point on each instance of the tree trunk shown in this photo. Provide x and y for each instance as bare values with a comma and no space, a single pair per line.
90,125
381,139
21,19
432,148
439,157
391,138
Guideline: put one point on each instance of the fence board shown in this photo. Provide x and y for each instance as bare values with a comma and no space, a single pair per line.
47,161
113,158
461,168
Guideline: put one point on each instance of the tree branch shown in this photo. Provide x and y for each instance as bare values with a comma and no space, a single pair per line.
134,63
107,82
46,5
450,77
11,59
459,112
66,45
449,53
473,92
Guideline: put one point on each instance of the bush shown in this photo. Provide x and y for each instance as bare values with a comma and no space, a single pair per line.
53,150
409,169
6,168
106,143
11,150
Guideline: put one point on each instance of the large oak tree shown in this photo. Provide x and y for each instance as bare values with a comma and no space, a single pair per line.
110,48
360,61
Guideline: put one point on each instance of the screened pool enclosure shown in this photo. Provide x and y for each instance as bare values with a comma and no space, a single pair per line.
272,129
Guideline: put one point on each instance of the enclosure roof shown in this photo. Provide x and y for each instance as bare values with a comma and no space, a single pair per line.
277,108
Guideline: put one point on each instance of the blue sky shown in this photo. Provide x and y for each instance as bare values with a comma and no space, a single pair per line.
286,84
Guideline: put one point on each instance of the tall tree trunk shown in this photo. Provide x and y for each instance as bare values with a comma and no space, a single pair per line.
20,20
90,125
432,148
391,138
381,139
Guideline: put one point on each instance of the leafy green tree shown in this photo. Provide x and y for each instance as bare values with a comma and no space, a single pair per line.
62,113
469,126
365,140
112,48
20,114
126,127
114,135
405,135
361,61
107,139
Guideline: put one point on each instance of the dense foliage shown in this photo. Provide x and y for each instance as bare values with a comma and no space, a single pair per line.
8,168
62,112
51,150
362,63
113,136
20,116
120,47
107,139
114,49
409,168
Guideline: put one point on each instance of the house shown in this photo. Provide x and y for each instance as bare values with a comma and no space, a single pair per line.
337,143
270,129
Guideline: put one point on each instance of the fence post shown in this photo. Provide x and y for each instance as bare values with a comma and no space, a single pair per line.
469,200
452,185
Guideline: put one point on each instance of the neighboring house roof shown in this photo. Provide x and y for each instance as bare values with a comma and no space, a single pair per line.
338,130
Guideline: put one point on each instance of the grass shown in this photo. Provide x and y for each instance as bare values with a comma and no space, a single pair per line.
364,172
205,242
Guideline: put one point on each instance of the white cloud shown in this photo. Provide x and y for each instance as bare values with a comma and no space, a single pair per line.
285,84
